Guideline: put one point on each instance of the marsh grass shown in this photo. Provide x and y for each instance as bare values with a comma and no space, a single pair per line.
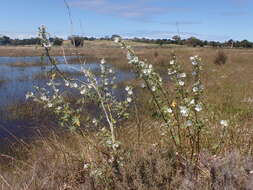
54,163
65,160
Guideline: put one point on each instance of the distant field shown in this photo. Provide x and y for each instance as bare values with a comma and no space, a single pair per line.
89,47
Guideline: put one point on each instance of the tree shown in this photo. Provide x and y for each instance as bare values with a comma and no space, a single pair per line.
246,44
192,41
115,36
177,39
57,41
5,40
77,41
230,43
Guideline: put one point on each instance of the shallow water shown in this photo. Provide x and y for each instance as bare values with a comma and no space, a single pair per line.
17,81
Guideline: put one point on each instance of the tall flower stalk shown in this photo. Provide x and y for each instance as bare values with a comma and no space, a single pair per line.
89,88
181,113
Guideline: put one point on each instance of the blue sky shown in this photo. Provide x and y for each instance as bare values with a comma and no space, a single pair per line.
206,19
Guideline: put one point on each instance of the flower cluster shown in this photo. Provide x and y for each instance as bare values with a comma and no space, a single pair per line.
180,111
90,89
44,37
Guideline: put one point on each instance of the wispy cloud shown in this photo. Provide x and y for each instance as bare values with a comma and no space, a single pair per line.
138,9
177,23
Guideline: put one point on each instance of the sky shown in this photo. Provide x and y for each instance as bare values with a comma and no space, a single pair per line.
218,20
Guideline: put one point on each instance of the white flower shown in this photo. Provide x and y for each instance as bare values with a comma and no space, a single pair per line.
192,102
67,83
46,45
188,123
85,166
169,110
29,95
102,61
224,123
181,83
59,108
116,145
75,85
135,59
181,75
49,84
194,62
194,57
83,91
43,98
116,39
94,121
49,105
102,69
110,71
150,66
142,64
149,71
195,89
129,56
130,92
127,88
184,111
109,142
153,88
198,107
172,62
129,99
170,72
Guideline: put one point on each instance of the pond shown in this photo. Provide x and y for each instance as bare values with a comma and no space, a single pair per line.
18,79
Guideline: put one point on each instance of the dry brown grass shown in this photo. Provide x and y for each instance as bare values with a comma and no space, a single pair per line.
56,162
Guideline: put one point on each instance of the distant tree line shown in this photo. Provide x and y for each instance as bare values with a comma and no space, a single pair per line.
5,40
78,41
195,42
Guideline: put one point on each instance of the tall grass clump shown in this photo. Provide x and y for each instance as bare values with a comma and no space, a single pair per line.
220,58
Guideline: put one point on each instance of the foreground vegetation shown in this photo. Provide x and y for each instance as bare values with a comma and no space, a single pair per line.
158,144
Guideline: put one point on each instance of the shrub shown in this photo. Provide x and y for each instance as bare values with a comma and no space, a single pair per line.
77,41
221,58
180,121
57,41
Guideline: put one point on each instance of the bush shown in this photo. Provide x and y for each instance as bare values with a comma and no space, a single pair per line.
77,41
57,42
221,58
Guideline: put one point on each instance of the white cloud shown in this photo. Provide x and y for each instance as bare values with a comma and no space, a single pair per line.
138,9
